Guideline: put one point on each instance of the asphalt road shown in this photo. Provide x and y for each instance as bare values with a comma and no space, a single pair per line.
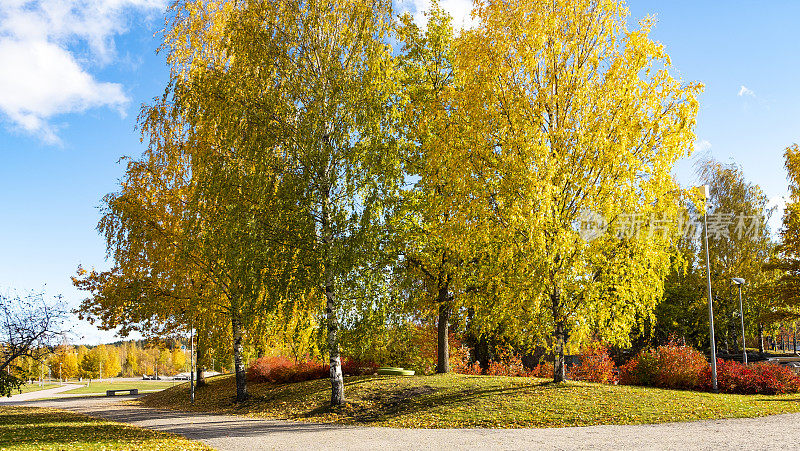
226,432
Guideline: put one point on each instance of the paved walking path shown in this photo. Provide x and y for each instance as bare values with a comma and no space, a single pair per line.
38,394
226,432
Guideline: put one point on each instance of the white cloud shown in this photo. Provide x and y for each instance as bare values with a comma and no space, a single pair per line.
47,48
702,145
459,9
744,91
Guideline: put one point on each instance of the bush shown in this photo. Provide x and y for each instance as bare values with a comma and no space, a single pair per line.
280,369
758,378
459,361
543,370
674,366
508,364
668,366
596,365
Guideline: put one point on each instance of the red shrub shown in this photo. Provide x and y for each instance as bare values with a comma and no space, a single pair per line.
640,370
309,370
280,369
271,369
596,365
668,366
757,378
674,366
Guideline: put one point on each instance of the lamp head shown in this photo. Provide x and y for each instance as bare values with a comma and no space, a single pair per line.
738,281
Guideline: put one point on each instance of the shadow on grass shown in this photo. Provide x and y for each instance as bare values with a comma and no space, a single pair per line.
411,400
370,399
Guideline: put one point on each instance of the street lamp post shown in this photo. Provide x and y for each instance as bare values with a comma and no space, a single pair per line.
739,281
706,195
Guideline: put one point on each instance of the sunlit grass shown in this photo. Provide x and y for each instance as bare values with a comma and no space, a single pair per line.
27,388
101,387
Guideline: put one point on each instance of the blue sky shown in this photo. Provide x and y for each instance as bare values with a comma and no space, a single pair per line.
74,73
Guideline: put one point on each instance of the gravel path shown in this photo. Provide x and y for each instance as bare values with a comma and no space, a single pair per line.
226,432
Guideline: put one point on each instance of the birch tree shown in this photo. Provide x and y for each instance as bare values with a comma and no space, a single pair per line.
321,83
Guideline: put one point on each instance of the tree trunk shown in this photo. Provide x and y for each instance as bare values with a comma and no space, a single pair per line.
443,349
483,353
331,309
560,339
559,363
761,338
201,361
241,379
337,382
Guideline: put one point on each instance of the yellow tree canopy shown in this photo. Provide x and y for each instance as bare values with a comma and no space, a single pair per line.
568,115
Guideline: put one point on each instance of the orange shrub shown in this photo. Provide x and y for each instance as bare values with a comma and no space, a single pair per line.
595,366
508,364
543,370
459,361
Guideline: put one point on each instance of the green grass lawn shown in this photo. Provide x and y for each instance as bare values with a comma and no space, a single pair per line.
101,387
33,428
35,387
453,400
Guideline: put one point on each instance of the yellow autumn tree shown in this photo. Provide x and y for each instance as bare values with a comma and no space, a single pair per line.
568,119
64,362
111,362
431,221
785,292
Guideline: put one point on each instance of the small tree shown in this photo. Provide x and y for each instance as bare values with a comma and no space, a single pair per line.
29,329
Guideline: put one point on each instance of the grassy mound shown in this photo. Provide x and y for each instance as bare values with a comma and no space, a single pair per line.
33,428
454,400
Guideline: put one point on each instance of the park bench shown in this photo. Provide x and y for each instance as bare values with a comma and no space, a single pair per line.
131,391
